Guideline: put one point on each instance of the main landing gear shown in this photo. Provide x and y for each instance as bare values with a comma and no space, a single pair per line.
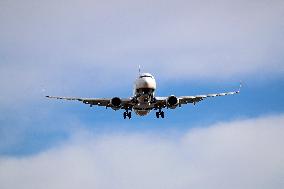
160,113
127,114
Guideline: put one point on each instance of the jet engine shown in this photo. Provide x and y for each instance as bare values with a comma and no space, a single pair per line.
172,102
115,103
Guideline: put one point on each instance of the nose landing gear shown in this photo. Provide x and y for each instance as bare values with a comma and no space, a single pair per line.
160,113
127,114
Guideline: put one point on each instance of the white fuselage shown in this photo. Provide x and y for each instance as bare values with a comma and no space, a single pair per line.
144,90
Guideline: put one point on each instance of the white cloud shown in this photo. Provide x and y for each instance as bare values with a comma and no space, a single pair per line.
65,47
240,154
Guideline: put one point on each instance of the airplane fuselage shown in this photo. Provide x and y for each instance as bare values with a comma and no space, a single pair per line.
144,92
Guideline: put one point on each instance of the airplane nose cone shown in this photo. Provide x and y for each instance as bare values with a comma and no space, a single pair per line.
146,83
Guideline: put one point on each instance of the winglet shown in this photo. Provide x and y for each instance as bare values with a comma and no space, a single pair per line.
240,87
139,67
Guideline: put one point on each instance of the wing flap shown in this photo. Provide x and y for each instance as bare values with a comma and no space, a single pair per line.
125,103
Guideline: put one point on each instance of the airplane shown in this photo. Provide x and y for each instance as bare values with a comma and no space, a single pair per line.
144,100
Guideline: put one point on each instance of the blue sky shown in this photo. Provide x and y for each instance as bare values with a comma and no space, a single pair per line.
93,49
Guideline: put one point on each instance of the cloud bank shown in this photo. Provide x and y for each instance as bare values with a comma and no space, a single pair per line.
244,154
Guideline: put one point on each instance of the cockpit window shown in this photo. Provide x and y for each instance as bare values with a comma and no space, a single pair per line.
145,75
142,76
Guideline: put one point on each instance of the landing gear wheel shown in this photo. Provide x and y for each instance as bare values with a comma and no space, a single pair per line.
162,114
157,114
127,114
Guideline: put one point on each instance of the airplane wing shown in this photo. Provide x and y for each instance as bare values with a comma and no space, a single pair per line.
125,103
198,98
162,102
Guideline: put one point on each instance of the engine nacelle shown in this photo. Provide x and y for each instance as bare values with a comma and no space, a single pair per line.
115,103
172,102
